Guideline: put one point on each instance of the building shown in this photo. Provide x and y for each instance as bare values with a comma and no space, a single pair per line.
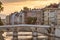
21,17
15,18
45,16
35,13
52,14
7,20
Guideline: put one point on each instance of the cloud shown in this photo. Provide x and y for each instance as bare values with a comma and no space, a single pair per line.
9,1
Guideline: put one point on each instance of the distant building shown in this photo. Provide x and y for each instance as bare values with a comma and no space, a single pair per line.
35,13
20,17
48,15
7,19
3,20
52,14
15,18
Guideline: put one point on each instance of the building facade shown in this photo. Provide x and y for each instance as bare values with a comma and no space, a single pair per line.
35,13
50,16
7,19
15,18
21,17
44,16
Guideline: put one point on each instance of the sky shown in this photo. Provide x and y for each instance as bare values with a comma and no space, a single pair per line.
11,6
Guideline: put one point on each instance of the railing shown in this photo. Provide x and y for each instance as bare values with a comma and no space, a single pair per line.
35,29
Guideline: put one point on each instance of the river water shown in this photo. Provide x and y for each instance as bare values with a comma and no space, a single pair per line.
21,37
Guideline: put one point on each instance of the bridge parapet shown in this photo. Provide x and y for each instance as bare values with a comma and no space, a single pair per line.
23,28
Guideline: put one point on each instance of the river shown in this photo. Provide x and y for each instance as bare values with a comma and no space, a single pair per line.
21,37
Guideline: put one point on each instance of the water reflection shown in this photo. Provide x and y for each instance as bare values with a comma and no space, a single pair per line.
22,37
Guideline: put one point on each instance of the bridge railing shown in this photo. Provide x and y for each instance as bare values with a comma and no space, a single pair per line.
35,29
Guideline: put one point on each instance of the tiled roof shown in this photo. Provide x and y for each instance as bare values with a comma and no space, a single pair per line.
53,6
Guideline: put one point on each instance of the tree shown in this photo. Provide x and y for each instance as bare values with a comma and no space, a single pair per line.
1,37
31,20
1,23
1,31
1,8
25,9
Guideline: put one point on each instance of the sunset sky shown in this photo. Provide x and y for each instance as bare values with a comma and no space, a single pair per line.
16,5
